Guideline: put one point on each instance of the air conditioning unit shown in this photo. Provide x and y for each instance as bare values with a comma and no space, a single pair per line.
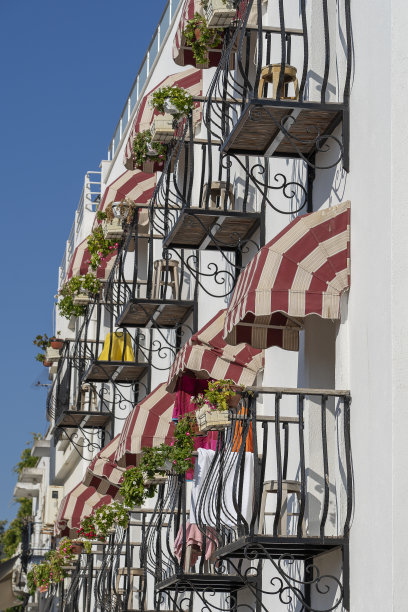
52,500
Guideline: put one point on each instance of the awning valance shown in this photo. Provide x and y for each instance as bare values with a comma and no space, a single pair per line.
103,473
190,79
207,355
149,424
302,271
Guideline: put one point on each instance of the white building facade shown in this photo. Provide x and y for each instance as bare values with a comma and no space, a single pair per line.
300,501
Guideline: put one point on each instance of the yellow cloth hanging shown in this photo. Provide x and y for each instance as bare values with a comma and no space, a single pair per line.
117,339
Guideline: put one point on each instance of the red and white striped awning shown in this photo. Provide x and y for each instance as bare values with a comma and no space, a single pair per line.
134,185
183,55
190,79
79,502
303,270
207,355
149,424
103,473
81,257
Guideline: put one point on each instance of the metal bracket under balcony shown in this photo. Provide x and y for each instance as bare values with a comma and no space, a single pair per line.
280,128
219,583
199,228
144,312
264,546
115,371
83,419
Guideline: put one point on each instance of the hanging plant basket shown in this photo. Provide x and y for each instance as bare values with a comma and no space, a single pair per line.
212,420
219,13
162,129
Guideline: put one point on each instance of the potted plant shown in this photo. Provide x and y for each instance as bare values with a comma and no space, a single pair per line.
56,342
88,530
213,404
173,100
76,294
218,13
69,548
43,342
201,38
140,482
107,517
146,156
100,246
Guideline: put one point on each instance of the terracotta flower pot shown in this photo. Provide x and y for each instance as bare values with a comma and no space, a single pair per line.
57,344
77,549
197,33
47,364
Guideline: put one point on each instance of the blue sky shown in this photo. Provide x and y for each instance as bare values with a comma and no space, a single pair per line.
65,73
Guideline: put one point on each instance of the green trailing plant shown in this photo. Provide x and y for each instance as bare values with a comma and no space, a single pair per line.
201,38
100,247
178,96
101,215
76,285
43,342
217,396
142,149
177,456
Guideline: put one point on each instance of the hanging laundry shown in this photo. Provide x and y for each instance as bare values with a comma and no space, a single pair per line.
117,347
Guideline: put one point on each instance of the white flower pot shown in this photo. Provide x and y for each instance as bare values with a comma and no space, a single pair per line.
220,14
81,299
170,108
112,230
156,480
52,355
212,420
162,129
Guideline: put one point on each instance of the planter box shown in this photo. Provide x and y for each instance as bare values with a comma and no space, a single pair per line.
113,230
162,129
82,299
212,420
52,354
157,480
219,14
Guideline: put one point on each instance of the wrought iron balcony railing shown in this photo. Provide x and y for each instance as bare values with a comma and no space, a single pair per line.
274,496
291,86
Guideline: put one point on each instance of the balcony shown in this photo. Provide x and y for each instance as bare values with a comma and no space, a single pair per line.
151,288
276,493
291,88
201,200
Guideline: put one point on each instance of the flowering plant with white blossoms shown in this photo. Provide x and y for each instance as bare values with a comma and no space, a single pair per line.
107,517
179,97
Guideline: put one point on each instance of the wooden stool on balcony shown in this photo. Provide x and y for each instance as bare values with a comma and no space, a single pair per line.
219,189
132,573
288,487
165,269
270,74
